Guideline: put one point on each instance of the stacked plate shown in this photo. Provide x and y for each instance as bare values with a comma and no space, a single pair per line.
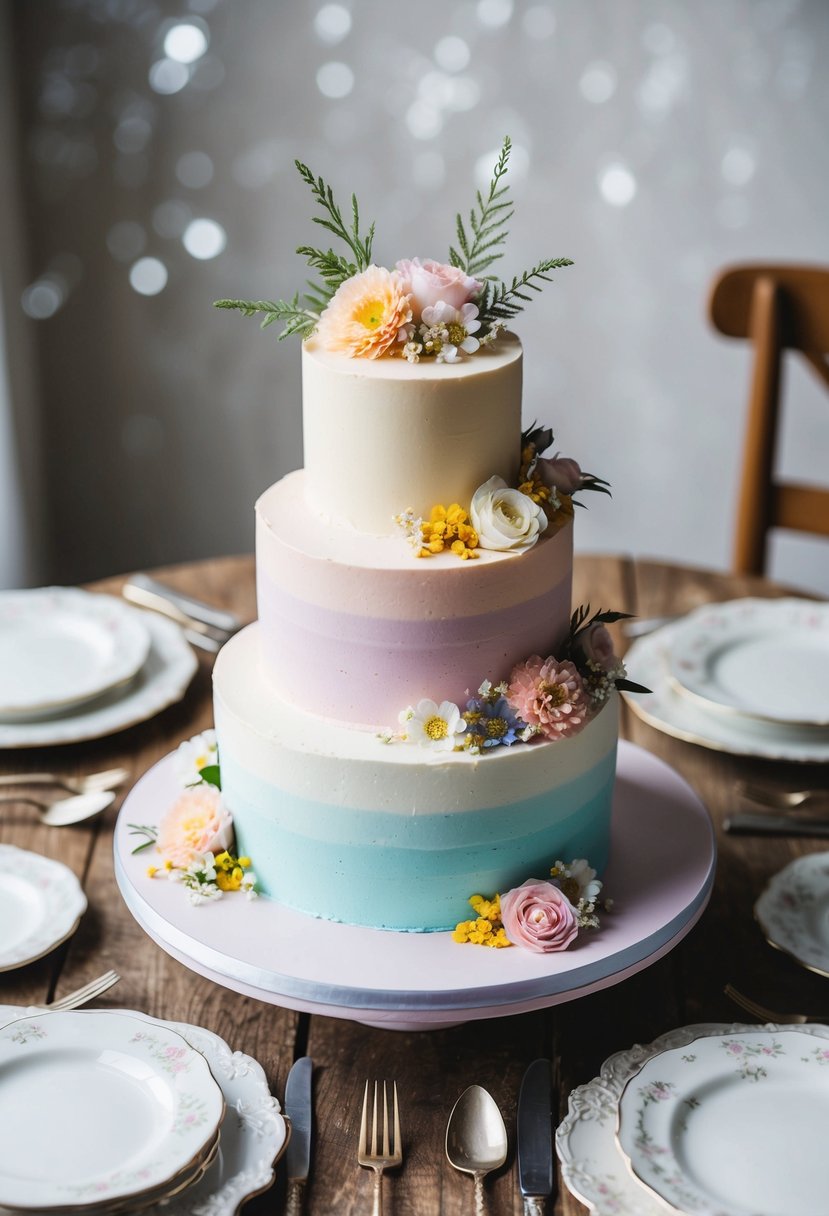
74,665
711,1119
750,677
115,1112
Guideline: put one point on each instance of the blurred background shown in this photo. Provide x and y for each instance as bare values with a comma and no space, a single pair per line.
147,152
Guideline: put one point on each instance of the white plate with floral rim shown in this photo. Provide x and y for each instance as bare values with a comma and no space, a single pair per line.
684,717
60,646
161,681
254,1133
592,1164
96,1105
765,659
41,903
793,911
732,1124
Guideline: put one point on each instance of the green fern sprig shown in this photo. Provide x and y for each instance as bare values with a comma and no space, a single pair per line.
298,320
488,224
502,301
360,246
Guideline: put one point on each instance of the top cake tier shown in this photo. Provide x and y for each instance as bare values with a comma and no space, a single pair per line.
384,436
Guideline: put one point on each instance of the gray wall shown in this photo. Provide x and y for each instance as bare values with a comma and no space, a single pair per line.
654,142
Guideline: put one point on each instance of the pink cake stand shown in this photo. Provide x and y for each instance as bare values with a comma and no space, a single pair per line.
660,878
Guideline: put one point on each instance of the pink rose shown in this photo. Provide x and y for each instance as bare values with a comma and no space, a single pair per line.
198,822
560,472
597,645
430,282
538,916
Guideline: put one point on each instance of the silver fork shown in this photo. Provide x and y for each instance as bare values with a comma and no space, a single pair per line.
768,1015
110,779
371,1154
86,993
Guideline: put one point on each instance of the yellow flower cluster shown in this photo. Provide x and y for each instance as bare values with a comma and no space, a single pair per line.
486,929
230,871
535,489
449,528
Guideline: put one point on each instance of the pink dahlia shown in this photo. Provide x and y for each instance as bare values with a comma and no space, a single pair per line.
550,695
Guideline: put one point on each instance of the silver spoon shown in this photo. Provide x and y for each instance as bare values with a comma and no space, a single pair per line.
67,810
476,1139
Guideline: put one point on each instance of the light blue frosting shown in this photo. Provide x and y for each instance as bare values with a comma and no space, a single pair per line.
411,872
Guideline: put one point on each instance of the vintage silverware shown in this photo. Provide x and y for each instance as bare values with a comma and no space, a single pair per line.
195,610
476,1139
383,1152
64,811
86,993
764,823
535,1137
206,637
110,779
298,1110
769,1015
781,800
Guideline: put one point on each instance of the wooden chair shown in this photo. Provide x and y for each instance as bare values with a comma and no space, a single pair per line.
777,308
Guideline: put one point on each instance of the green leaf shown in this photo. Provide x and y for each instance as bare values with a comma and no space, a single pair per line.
487,224
211,774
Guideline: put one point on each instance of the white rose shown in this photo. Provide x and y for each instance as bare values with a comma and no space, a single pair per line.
505,519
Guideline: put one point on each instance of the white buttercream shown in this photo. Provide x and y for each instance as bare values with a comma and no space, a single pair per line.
304,755
384,435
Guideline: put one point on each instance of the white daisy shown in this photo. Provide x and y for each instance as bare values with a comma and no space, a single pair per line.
431,725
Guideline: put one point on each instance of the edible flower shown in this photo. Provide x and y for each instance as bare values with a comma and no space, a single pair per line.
367,315
428,724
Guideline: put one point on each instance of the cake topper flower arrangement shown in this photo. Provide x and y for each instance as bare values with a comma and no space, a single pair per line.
419,309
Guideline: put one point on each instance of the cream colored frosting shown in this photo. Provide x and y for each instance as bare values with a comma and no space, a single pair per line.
384,435
306,756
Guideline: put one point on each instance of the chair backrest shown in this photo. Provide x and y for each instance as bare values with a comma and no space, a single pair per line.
777,308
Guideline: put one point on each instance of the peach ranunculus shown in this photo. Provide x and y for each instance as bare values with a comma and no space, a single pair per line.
430,282
367,315
198,822
539,917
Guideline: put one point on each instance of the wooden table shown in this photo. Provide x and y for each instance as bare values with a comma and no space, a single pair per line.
431,1068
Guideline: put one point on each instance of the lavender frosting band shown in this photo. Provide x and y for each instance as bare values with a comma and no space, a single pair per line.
363,670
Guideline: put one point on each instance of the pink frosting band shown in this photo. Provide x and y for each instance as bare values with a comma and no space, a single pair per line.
364,670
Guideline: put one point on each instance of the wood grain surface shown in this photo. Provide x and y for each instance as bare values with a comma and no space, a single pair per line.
431,1068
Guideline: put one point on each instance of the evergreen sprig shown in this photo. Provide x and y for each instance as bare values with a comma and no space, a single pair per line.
360,246
487,224
500,301
301,313
298,320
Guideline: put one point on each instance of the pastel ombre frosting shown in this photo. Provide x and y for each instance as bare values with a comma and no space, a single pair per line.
347,828
384,435
355,627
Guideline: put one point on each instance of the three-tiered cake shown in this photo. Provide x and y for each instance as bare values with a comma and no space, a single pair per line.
415,717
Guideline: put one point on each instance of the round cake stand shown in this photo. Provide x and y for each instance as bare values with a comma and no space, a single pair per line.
659,878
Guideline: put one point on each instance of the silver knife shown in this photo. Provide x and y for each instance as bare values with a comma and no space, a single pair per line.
535,1137
763,824
195,610
298,1110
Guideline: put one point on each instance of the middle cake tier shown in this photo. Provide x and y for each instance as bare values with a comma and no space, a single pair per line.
356,627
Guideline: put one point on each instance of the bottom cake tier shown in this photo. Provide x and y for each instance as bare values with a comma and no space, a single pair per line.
391,835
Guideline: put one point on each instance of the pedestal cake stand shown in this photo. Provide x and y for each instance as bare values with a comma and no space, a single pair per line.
660,877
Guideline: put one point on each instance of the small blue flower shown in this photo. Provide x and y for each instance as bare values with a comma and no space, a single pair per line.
493,721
